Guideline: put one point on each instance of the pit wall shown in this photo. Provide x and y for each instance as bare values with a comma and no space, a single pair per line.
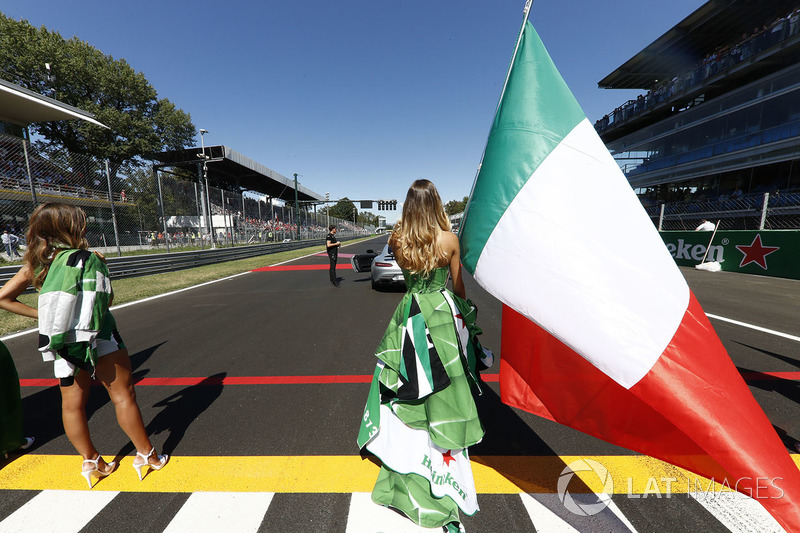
766,253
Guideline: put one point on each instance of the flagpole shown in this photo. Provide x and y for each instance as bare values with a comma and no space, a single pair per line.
526,12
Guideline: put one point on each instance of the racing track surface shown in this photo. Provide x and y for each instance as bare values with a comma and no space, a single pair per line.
256,385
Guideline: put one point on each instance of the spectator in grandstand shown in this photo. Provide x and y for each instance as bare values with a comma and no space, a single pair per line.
705,226
80,337
10,242
332,247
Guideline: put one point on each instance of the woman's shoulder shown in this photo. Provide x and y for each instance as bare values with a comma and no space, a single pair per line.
449,240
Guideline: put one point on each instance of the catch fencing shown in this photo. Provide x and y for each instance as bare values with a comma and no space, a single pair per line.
748,212
142,208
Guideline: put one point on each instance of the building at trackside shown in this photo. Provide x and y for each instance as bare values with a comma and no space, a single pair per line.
719,112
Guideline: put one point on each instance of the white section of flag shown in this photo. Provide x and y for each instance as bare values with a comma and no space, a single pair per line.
598,277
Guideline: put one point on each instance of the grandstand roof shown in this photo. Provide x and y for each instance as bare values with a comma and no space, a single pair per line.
226,165
21,106
715,23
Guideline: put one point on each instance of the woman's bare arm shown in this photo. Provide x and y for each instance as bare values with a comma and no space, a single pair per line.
11,291
455,266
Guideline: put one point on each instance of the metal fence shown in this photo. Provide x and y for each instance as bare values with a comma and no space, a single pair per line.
143,265
748,212
133,208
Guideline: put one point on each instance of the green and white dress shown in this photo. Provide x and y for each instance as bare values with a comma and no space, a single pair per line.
421,416
11,437
73,311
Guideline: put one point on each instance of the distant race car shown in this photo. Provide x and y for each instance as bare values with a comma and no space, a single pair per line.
382,266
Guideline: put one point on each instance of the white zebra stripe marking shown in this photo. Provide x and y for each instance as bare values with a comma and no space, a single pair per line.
221,511
366,516
543,518
738,512
65,511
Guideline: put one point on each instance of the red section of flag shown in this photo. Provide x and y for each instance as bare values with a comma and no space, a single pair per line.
693,409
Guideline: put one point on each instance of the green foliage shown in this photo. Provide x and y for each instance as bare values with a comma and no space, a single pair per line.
82,76
454,206
343,209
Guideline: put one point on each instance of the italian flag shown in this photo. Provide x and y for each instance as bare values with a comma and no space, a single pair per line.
600,330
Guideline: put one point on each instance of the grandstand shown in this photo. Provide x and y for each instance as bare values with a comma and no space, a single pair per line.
716,130
29,175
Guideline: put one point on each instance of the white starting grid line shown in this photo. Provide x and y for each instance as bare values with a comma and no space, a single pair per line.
244,512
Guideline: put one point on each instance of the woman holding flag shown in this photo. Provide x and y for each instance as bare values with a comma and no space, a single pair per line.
420,416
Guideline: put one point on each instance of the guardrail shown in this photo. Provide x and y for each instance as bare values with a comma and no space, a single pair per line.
143,265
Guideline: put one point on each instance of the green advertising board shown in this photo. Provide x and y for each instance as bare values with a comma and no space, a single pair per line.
766,253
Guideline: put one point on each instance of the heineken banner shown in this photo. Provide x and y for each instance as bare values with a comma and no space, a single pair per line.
766,253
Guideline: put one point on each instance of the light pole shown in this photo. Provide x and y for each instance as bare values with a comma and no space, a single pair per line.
296,208
206,198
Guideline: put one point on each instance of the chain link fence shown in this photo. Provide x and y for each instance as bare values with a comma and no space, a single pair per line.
141,208
747,212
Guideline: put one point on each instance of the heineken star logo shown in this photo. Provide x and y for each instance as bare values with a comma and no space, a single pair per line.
447,457
756,252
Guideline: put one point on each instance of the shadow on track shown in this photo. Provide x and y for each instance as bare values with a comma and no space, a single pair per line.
42,410
180,410
507,438
785,358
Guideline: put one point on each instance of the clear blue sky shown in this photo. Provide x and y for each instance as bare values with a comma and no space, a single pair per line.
358,97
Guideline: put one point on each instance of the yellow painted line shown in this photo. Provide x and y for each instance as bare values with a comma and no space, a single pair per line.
634,474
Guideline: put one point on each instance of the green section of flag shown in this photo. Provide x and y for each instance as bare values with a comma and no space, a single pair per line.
536,112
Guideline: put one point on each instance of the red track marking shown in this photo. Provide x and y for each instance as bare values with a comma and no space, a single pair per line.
345,266
315,380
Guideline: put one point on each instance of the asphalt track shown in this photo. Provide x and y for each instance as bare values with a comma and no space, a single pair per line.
256,385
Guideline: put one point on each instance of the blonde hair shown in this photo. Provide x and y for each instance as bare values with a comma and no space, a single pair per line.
417,232
53,227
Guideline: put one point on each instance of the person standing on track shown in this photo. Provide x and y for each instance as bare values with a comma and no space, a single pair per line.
332,247
11,436
78,332
421,416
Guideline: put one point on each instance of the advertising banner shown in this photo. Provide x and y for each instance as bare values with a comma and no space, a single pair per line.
766,253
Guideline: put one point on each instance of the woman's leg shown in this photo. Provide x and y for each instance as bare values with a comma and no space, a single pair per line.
114,372
73,414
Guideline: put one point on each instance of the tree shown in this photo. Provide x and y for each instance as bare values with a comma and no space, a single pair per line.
454,207
344,209
365,218
80,75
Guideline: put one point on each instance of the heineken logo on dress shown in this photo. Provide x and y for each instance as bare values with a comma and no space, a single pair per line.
444,479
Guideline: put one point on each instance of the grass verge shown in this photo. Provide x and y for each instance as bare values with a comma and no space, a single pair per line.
132,289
